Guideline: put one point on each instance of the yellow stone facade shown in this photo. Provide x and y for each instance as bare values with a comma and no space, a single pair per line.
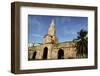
51,48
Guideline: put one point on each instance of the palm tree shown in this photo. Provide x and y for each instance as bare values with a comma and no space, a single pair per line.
82,44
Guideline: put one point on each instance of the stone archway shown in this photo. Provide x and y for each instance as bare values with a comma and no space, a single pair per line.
45,53
60,54
34,55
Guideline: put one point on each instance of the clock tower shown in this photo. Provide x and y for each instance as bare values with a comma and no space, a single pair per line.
50,37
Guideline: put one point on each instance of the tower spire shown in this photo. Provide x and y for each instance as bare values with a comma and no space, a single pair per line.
52,22
51,36
51,30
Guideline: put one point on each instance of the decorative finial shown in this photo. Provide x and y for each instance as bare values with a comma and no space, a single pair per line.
52,22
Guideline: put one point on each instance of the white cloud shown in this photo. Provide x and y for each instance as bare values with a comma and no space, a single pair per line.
37,23
82,26
37,35
72,32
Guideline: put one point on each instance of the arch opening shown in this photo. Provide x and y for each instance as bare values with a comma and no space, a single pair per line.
34,55
45,53
60,54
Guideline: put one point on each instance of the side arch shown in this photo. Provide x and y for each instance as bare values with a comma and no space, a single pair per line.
34,55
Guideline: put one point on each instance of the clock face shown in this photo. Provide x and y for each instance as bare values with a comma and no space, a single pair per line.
47,39
50,39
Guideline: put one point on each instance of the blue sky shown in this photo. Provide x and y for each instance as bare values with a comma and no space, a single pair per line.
66,27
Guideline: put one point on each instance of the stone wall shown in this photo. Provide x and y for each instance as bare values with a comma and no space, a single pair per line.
67,47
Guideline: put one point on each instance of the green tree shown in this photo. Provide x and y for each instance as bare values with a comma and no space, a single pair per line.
82,44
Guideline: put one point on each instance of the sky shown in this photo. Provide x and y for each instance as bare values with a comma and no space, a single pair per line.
66,27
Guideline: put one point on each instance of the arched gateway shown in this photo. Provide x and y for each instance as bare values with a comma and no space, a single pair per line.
45,53
60,54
